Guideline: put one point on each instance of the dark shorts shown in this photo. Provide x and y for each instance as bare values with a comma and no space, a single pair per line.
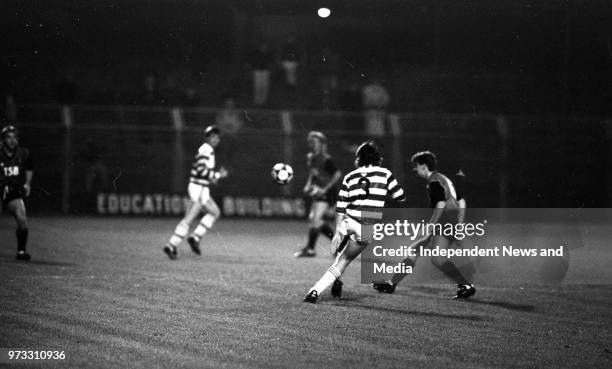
10,193
329,197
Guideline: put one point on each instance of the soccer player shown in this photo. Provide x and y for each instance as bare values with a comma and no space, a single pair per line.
362,197
448,208
203,174
321,186
16,172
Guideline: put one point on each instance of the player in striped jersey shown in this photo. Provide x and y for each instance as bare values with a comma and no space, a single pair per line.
203,174
449,207
361,200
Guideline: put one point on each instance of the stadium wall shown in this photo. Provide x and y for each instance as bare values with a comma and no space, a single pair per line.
135,160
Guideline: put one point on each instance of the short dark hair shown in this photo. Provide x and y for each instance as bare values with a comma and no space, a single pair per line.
210,130
368,154
6,129
318,135
425,157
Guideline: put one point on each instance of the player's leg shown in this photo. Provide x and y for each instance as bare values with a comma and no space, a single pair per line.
327,218
389,286
446,266
315,218
315,221
350,252
213,213
467,265
349,239
182,228
317,225
17,208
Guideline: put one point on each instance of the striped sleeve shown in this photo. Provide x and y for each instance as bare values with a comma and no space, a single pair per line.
343,198
395,190
202,170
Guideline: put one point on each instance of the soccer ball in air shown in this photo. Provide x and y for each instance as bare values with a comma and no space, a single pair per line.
282,173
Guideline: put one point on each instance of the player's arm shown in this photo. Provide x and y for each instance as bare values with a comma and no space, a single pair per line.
437,212
336,175
438,200
395,191
332,182
206,168
308,185
462,204
216,175
341,204
29,174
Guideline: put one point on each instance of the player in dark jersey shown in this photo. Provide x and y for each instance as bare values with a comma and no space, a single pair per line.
448,208
321,186
363,195
16,171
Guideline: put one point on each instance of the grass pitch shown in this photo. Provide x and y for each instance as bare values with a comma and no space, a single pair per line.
101,290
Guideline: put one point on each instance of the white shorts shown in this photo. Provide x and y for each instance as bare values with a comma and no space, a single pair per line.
198,193
355,230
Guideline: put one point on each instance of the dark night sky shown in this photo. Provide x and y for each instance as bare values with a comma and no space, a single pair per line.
553,40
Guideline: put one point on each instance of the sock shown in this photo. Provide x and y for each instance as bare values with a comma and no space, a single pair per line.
313,234
327,280
398,277
327,231
205,224
180,232
452,272
22,238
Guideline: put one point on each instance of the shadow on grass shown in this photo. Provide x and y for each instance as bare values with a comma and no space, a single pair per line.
11,259
352,299
415,313
503,304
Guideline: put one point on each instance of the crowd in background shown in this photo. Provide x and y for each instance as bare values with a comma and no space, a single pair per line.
285,76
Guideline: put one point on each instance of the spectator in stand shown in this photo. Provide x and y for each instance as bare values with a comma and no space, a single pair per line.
169,92
326,64
229,119
191,97
67,90
376,100
290,62
350,96
261,60
150,89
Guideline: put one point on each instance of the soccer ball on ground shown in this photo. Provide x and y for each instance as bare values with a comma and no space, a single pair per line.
282,173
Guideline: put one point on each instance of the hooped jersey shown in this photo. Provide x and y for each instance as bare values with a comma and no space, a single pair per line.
365,191
203,168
